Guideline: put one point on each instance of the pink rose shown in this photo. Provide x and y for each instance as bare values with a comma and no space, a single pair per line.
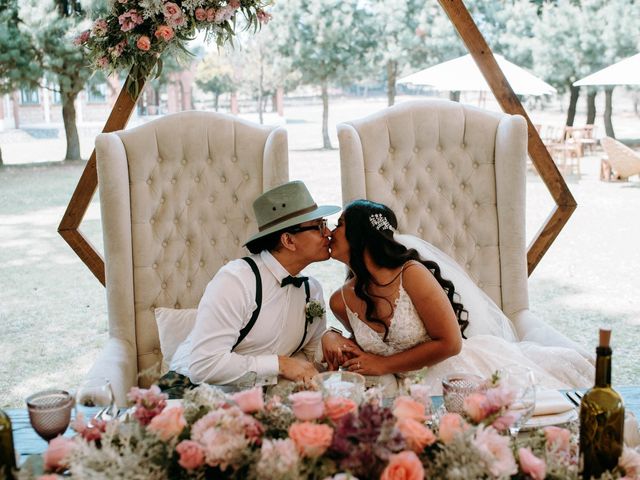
416,434
211,14
307,405
475,405
235,4
169,423
407,407
191,454
403,466
57,453
173,14
311,439
558,438
164,32
451,424
143,43
82,38
201,14
223,14
250,401
100,27
337,407
496,449
532,465
129,20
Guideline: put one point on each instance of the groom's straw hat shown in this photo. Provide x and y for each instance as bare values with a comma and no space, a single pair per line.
285,206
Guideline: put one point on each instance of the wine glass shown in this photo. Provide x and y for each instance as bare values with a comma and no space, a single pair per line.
521,381
95,399
50,412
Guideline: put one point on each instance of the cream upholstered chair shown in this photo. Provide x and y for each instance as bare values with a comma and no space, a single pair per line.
176,198
455,176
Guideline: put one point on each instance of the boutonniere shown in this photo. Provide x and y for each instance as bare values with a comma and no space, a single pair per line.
313,309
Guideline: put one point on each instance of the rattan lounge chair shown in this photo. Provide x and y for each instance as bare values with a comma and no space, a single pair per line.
622,162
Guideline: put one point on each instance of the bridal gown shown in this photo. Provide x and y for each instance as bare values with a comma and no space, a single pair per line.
492,343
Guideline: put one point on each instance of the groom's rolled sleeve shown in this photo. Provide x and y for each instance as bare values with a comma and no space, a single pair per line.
225,308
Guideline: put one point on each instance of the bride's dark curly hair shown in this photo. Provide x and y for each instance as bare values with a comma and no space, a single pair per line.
362,235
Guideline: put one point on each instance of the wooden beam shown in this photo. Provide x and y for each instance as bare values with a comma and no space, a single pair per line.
483,56
88,183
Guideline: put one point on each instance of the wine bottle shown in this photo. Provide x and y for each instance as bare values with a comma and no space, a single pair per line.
601,418
7,452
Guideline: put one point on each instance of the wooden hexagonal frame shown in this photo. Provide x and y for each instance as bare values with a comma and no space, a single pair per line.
477,46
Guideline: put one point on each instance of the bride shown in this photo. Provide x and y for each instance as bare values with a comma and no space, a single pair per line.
407,305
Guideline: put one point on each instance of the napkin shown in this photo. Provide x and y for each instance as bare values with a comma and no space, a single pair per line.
631,432
550,402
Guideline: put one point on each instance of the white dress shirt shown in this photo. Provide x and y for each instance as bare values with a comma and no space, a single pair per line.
227,306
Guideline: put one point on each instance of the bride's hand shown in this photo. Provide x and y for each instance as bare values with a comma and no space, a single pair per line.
364,363
334,348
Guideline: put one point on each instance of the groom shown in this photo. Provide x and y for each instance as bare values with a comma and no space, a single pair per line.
253,325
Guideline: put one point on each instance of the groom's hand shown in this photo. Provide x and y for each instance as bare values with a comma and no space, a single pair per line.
296,369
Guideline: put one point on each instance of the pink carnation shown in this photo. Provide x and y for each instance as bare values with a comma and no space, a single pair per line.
191,454
100,27
263,17
169,423
503,422
148,403
57,453
250,401
129,20
173,14
82,38
496,450
532,465
223,14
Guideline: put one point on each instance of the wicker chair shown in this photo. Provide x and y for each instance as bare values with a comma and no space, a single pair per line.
622,162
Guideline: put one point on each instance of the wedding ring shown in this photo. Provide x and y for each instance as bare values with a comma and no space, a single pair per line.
358,365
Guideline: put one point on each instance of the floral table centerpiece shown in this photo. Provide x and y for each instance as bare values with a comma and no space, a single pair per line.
135,33
244,435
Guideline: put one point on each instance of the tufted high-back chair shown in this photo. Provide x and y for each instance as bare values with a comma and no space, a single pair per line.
176,198
455,176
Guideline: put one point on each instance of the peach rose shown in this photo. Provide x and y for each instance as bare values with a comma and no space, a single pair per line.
49,476
558,437
407,407
532,465
451,424
416,434
311,439
337,407
191,454
169,423
201,14
307,405
403,466
211,14
143,43
164,32
475,406
57,453
250,400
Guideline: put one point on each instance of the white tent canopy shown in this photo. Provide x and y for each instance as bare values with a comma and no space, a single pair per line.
625,72
463,74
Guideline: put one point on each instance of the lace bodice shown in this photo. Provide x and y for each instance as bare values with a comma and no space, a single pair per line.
406,329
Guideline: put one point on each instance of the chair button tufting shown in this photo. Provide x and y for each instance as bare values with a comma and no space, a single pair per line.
211,198
164,285
149,181
162,200
453,206
224,220
429,209
428,169
177,305
404,169
223,179
202,263
420,230
475,165
173,181
188,243
455,247
381,171
200,221
439,189
439,148
439,226
187,201
465,226
235,199
476,204
152,221
196,179
391,150
246,176
406,210
480,284
156,351
450,166
234,159
417,190
416,149
159,159
463,145
246,220
209,161
183,161
188,284
177,264
236,241
175,221
467,266
154,266
212,242
164,243
225,261
462,186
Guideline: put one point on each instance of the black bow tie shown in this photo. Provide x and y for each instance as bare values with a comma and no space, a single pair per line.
295,281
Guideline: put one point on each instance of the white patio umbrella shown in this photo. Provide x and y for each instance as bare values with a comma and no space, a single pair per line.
625,72
464,75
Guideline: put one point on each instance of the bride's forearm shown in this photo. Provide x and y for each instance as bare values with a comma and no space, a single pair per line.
422,355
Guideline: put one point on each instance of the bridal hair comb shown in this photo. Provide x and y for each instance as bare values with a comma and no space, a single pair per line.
380,222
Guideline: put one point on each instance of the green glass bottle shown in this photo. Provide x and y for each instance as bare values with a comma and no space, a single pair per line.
7,453
601,418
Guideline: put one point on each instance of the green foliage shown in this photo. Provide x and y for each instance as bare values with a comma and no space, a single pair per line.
215,74
19,59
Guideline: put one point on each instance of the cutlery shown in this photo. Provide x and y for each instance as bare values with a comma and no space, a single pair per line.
573,398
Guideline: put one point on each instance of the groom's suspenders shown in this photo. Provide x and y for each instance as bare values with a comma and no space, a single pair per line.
252,321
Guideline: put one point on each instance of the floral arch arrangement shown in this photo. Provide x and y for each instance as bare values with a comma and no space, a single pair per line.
135,34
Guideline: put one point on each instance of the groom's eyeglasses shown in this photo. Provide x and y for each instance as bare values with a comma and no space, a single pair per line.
321,227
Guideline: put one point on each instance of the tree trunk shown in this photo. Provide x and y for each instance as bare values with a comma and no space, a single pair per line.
1,162
392,72
326,142
573,101
608,126
591,106
454,95
70,128
216,100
